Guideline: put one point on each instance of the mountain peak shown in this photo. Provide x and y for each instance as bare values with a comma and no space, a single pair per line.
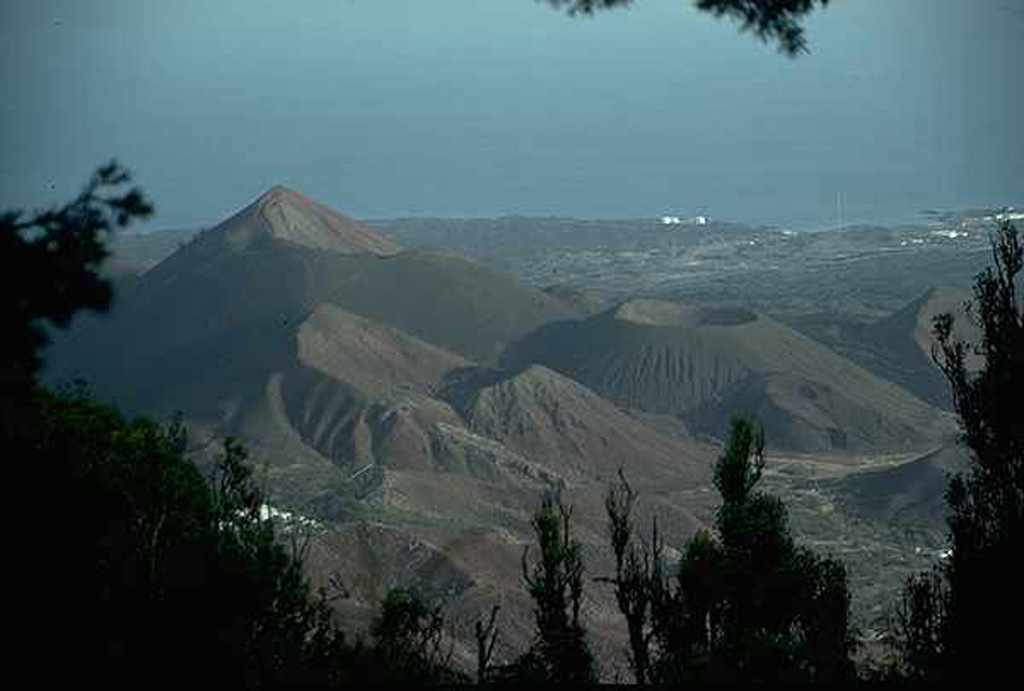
284,214
280,192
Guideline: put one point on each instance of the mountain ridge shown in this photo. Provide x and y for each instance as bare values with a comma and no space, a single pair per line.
706,364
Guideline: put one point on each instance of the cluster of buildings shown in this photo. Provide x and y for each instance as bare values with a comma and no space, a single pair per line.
677,221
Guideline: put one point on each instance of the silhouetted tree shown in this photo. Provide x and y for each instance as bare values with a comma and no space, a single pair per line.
781,612
921,626
955,620
146,569
486,638
408,637
49,270
638,581
776,21
555,582
143,569
749,604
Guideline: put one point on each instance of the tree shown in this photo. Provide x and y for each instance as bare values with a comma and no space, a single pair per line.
638,580
408,637
921,622
486,638
50,267
142,566
776,21
555,582
748,604
954,620
775,610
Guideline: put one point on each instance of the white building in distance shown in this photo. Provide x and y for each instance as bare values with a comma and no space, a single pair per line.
677,221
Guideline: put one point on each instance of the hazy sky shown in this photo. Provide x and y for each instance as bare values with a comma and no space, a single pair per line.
489,107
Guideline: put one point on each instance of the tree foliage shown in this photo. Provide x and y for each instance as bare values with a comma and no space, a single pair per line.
921,626
638,580
50,269
772,21
146,566
954,619
561,653
748,604
409,642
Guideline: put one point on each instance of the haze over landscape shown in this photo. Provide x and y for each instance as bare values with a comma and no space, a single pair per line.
458,108
435,263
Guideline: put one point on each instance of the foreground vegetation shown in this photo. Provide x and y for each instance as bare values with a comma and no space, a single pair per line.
955,619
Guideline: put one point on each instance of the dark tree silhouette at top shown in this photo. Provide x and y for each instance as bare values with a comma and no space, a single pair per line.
772,21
